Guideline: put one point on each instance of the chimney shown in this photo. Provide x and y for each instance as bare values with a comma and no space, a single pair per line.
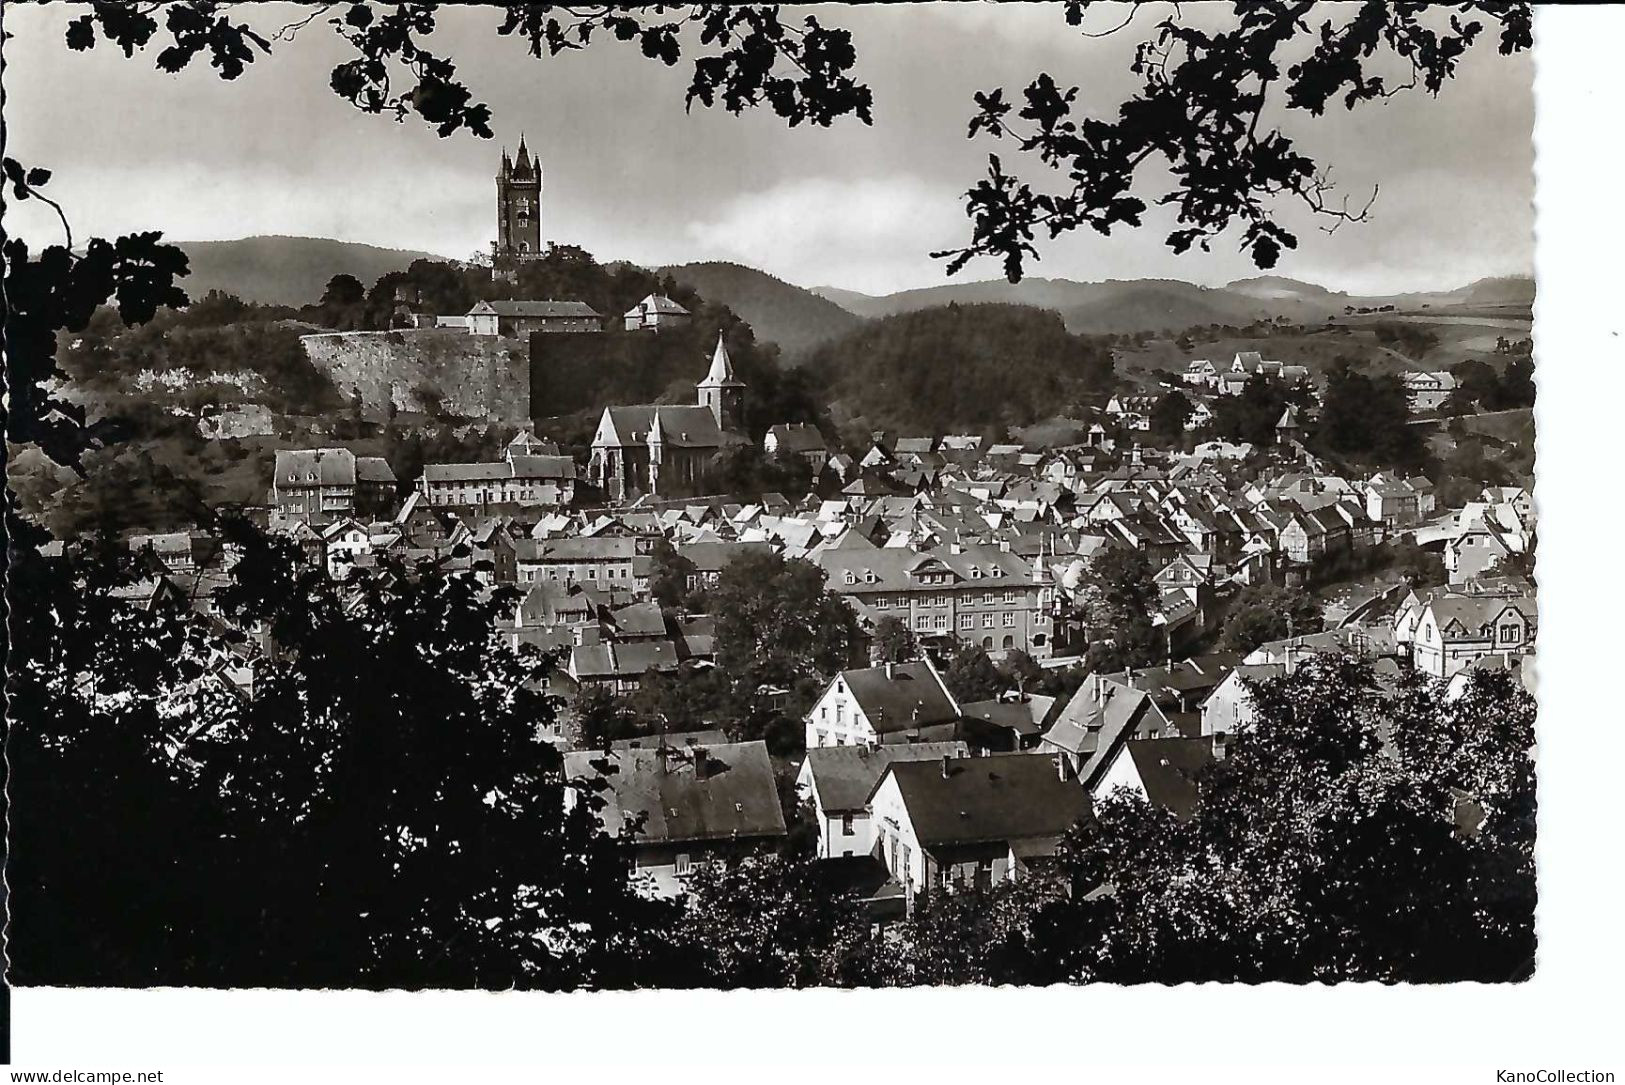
891,670
701,760
947,761
1063,767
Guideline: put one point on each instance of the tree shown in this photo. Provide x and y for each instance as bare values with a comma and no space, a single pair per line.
1476,383
778,625
971,676
1169,415
770,921
668,574
1202,107
343,303
1117,600
1250,416
1367,419
334,830
1317,853
1261,613
894,642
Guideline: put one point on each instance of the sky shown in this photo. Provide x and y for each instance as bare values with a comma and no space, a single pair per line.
631,175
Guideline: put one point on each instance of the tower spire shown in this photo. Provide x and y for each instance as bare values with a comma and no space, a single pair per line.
722,366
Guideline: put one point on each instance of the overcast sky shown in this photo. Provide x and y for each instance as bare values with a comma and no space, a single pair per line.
630,176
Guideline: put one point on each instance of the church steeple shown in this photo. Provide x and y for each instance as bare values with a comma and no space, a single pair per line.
721,391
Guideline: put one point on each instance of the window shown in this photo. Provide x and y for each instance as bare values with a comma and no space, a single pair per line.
967,621
942,621
846,825
1009,617
987,621
1509,632
1010,596
848,578
923,622
823,737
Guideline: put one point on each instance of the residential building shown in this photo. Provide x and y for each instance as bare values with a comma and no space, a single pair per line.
838,781
1165,772
520,480
971,822
985,595
797,439
1428,391
883,705
654,313
518,319
695,805
320,485
1454,631
603,562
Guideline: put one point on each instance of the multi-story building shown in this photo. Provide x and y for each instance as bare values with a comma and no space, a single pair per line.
320,485
985,595
526,481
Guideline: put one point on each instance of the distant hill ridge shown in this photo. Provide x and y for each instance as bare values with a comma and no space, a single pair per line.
278,270
295,270
1117,306
796,319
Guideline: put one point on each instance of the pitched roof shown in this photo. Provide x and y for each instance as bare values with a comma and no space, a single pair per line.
1168,768
681,426
797,437
703,792
1003,797
845,776
1024,717
627,659
657,303
315,467
721,372
911,695
521,308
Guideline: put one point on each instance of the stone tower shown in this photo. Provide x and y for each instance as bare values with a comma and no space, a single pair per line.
723,392
519,210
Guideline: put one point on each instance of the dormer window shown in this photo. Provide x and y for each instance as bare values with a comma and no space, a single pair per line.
869,576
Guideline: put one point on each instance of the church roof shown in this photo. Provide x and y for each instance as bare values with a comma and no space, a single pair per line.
680,426
722,367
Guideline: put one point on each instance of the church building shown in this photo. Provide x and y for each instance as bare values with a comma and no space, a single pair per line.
519,213
667,450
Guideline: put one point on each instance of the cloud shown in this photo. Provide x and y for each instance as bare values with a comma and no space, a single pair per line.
871,234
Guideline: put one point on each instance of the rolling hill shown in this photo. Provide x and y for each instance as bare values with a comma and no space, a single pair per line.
797,320
977,368
1117,306
276,270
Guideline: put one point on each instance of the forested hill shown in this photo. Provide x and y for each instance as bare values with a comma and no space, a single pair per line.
285,270
797,320
976,368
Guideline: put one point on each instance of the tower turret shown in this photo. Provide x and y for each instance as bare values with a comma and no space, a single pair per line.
723,392
519,210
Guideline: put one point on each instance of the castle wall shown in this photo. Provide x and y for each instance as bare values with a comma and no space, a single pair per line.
477,376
